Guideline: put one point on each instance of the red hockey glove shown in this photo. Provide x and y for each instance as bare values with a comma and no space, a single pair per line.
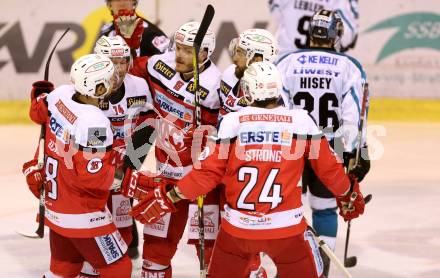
352,204
34,176
136,185
130,27
153,206
41,87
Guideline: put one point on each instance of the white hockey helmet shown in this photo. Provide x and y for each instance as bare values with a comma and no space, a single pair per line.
256,41
261,81
187,33
89,71
112,47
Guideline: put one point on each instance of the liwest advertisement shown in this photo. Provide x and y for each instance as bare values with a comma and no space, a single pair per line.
399,44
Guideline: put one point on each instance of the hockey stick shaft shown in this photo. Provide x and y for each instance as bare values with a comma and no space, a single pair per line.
362,122
204,25
329,252
358,152
41,207
352,261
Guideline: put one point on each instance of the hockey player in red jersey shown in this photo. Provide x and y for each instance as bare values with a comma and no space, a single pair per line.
259,156
125,106
252,45
170,77
78,171
142,36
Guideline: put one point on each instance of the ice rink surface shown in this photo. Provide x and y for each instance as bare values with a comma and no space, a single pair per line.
398,236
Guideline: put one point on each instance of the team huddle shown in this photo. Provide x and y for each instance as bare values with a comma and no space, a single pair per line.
282,122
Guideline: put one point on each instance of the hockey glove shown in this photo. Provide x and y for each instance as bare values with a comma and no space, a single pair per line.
130,27
363,167
41,87
153,206
352,204
136,185
34,177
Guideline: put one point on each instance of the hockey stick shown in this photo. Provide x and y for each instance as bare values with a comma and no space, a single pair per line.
329,252
352,261
206,21
39,233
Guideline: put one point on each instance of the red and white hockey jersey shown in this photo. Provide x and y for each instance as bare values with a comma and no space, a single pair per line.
79,173
293,21
130,107
259,157
330,86
230,93
173,98
126,109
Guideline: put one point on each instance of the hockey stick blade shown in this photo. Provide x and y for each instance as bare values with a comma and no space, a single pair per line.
350,261
204,25
28,234
367,198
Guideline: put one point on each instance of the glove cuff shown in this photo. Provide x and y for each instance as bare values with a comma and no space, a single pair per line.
41,87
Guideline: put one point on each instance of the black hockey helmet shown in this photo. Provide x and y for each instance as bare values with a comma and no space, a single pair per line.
326,25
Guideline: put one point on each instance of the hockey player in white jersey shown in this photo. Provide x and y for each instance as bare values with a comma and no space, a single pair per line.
330,86
170,78
292,18
78,171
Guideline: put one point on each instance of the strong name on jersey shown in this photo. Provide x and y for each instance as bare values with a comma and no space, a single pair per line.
259,157
78,165
327,84
230,93
293,20
173,98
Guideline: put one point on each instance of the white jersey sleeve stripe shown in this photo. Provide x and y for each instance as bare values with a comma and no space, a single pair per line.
356,99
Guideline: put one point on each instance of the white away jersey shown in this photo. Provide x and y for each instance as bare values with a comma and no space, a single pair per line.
329,85
293,21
